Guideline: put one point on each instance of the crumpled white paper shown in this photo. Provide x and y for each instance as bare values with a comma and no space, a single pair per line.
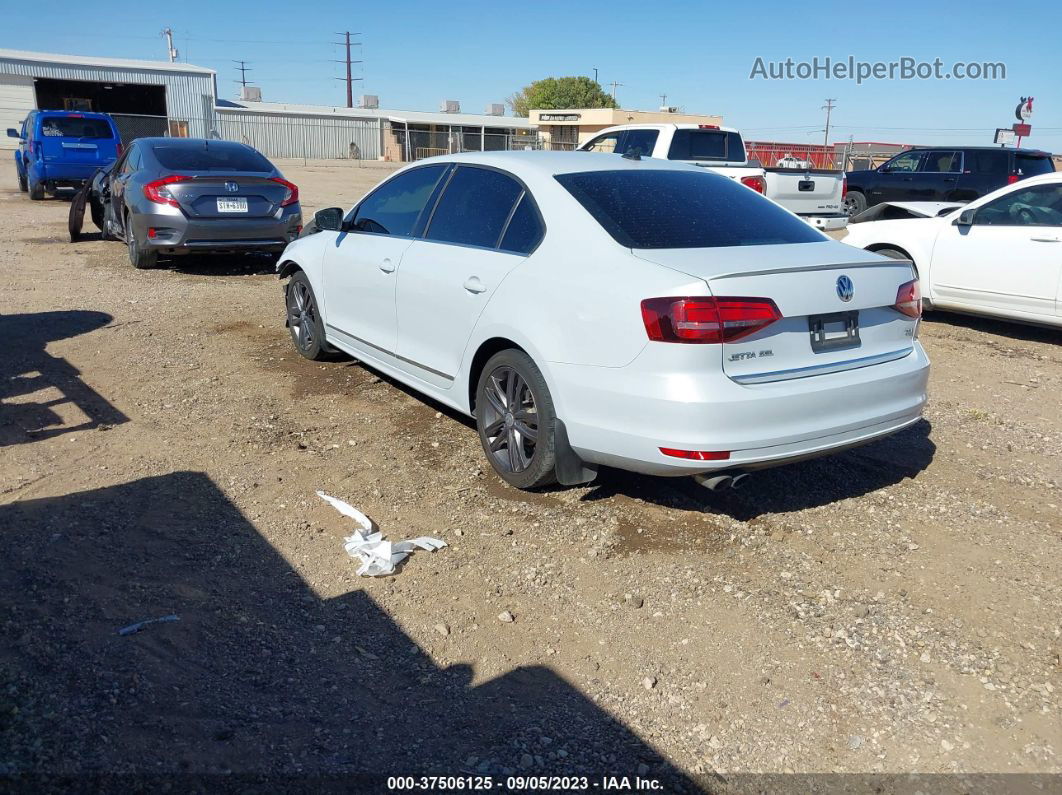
378,557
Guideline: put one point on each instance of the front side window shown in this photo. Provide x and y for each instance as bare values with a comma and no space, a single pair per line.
683,209
908,161
474,208
394,207
604,143
943,162
1039,205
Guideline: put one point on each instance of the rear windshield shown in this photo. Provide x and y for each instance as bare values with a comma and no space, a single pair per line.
73,127
1031,165
214,156
683,209
706,145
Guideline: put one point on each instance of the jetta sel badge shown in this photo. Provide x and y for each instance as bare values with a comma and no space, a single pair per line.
845,288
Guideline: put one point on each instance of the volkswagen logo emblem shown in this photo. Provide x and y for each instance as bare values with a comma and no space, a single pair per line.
232,187
845,288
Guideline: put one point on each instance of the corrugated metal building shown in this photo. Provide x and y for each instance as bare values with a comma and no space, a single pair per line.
319,131
145,97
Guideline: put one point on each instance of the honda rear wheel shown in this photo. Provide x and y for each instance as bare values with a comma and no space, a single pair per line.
138,257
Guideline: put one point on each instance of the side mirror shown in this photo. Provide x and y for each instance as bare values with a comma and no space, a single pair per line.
966,218
329,219
12,133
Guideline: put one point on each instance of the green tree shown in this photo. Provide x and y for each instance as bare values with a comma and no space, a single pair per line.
559,93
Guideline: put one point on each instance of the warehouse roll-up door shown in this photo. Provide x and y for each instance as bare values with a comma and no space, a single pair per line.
16,100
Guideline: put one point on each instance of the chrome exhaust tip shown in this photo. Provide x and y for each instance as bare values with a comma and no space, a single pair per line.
714,482
739,480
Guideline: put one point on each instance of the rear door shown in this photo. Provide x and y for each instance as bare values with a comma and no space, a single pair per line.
86,143
483,226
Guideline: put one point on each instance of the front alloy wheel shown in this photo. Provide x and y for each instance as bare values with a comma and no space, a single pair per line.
304,321
515,419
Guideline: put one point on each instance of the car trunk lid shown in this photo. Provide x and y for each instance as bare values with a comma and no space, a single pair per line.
819,332
229,196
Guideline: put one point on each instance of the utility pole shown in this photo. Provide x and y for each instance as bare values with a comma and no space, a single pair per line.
663,100
595,74
170,49
243,70
350,80
615,85
828,107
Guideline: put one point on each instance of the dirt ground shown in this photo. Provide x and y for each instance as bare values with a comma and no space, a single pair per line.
894,608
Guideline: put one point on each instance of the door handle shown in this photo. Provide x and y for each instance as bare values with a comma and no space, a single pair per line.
1044,239
907,179
387,266
474,285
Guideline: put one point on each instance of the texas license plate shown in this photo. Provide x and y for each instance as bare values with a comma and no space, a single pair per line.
833,331
232,205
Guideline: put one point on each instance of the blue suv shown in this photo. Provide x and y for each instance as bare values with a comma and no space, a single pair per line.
62,149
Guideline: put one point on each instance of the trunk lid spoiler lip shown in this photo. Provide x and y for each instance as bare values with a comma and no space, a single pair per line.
881,261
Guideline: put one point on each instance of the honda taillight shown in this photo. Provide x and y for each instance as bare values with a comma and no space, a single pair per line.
706,320
293,191
844,187
909,299
157,191
757,183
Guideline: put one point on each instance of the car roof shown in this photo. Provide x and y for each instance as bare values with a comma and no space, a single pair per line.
977,149
544,163
77,114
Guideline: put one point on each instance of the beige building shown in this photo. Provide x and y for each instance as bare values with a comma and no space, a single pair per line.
566,129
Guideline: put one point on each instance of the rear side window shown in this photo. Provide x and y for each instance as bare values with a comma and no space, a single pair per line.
988,163
393,208
683,209
73,127
474,208
1031,165
212,156
524,231
706,145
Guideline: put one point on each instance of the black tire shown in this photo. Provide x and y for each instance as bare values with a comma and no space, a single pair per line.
22,186
506,436
304,320
36,191
854,203
138,257
96,212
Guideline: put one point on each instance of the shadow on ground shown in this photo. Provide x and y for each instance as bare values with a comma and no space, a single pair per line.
260,677
1001,328
793,487
221,265
43,395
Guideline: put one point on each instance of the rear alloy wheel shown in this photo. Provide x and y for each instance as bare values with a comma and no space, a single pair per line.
515,419
854,203
304,321
138,257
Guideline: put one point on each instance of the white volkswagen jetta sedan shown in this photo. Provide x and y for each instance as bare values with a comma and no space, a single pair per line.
591,309
999,255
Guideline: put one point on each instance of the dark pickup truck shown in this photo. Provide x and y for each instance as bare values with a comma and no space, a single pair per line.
943,174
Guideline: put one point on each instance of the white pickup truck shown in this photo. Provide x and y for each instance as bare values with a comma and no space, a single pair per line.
816,195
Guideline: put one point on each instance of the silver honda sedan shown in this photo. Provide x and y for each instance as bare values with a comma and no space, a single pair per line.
172,196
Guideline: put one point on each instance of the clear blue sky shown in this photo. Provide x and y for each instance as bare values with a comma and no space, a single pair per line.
700,54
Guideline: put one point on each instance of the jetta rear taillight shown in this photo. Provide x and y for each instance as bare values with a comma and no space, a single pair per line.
293,191
156,191
757,183
706,320
909,299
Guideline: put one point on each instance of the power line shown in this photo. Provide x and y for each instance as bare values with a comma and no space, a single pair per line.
243,73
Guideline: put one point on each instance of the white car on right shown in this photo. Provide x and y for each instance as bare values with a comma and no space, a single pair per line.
1000,255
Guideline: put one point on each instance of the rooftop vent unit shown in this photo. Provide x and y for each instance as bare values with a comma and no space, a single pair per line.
450,106
250,94
495,109
668,109
370,101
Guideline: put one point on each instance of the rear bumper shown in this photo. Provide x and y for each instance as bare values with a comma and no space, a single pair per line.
827,223
64,174
623,416
175,233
